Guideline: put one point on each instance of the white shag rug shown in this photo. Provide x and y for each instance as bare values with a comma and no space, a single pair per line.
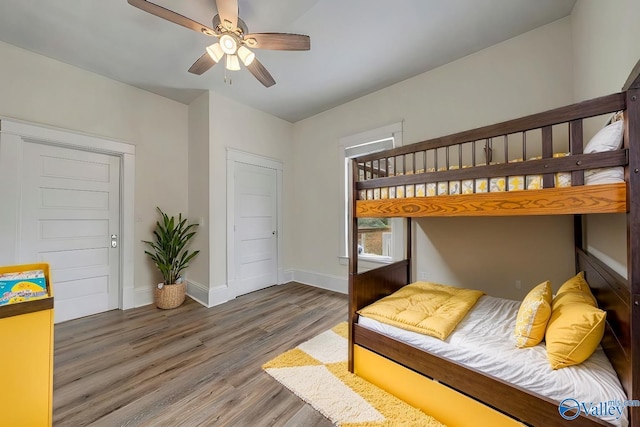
316,371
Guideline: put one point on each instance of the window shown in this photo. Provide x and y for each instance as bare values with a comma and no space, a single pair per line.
374,237
379,239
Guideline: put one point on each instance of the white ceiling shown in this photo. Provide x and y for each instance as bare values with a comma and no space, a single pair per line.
357,46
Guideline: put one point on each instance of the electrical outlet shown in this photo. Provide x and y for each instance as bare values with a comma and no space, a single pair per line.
423,275
518,284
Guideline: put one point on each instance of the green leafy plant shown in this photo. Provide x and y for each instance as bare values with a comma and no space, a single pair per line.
169,252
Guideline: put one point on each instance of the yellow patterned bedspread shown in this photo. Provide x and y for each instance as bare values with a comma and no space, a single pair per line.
424,307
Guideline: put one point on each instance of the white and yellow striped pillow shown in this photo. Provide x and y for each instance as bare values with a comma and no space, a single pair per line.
533,316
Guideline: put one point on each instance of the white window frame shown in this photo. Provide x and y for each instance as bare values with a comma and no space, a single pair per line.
368,142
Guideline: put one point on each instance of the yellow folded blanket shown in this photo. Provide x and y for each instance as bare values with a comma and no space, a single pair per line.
424,307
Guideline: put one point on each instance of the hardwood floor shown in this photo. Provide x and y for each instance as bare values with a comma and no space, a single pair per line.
189,366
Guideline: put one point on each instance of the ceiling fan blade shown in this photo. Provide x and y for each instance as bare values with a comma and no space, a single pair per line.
171,16
278,41
259,72
228,11
202,64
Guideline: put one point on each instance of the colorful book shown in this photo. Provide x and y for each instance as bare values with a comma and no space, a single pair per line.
22,286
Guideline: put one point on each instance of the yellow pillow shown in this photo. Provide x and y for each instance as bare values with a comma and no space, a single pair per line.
577,283
533,316
572,297
573,334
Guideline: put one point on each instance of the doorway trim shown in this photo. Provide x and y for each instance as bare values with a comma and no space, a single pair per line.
50,135
236,156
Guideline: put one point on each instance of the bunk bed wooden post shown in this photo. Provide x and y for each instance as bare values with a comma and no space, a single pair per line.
408,250
578,239
353,256
576,146
547,152
632,88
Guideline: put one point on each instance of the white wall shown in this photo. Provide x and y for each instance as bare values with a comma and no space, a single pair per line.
606,47
41,90
524,75
198,272
237,126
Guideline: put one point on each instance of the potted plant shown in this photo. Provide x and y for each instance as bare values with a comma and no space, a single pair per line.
170,255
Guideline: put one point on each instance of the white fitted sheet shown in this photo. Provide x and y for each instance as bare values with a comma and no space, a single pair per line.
484,340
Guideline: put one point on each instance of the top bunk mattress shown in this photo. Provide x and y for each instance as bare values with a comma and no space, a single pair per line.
484,340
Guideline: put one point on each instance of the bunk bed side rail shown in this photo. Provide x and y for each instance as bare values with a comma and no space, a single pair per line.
606,198
374,284
582,110
612,293
530,167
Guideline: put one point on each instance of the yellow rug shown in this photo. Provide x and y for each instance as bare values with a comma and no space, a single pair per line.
316,371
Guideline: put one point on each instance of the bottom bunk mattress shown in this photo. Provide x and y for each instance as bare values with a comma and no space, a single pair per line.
484,340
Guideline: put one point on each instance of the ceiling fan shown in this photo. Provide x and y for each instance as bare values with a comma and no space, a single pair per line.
234,39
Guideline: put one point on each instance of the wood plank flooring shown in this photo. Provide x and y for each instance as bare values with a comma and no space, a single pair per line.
190,366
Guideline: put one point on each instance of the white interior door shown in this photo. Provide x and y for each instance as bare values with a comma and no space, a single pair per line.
255,235
69,212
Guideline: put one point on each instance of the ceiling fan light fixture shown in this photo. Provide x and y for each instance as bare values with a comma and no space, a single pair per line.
232,63
246,56
215,52
228,44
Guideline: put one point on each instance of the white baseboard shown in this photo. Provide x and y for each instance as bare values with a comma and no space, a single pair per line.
143,296
205,296
221,294
287,276
128,298
324,281
198,292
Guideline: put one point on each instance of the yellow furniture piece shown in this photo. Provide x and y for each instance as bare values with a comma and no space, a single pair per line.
441,402
26,358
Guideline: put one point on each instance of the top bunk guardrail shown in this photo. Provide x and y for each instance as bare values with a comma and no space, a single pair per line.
537,164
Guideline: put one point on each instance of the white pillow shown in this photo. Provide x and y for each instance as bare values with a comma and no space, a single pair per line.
604,175
609,138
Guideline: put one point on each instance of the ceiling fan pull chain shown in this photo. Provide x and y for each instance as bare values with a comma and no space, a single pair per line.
225,78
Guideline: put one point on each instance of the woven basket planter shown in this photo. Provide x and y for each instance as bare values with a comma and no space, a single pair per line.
170,296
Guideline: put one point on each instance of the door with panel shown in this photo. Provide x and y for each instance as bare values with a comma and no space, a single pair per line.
255,228
70,218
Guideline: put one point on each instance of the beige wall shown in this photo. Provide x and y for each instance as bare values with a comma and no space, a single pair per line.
527,74
41,90
606,47
198,167
237,126
495,254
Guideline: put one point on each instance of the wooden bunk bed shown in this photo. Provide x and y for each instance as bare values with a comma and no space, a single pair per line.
412,169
